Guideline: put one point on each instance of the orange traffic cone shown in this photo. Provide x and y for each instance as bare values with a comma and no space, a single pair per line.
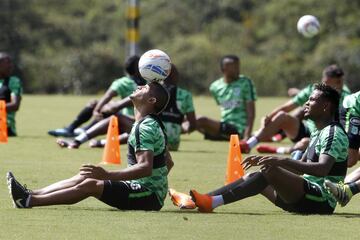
3,123
111,153
234,168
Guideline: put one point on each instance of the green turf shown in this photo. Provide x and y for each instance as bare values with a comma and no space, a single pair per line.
37,161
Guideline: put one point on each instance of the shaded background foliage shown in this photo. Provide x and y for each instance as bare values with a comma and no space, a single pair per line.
78,46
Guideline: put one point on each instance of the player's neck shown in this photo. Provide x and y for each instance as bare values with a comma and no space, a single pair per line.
228,79
141,113
321,123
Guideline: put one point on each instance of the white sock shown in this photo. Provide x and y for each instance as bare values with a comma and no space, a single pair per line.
252,142
217,201
83,137
103,141
281,150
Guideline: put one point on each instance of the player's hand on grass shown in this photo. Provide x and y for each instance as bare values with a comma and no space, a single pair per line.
96,172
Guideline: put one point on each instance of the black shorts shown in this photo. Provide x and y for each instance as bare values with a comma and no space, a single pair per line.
306,205
302,132
354,132
226,129
126,195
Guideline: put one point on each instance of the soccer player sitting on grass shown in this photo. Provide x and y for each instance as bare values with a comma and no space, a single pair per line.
236,96
179,108
99,110
141,186
344,192
10,91
293,126
294,186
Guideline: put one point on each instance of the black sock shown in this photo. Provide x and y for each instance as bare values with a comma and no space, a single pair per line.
83,117
354,188
226,188
254,184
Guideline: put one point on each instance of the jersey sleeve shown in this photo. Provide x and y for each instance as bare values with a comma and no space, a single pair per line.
334,143
250,92
188,105
146,137
212,90
302,97
15,86
118,86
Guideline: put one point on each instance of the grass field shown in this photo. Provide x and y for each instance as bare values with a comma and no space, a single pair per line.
37,161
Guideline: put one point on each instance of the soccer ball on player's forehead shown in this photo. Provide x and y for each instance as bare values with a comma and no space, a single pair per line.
154,65
308,26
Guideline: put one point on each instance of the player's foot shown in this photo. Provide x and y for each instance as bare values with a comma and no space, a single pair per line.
181,200
10,175
19,195
277,137
244,147
340,191
94,143
61,132
64,143
202,201
266,149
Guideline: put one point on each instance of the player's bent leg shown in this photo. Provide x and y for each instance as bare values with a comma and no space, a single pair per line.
207,125
87,188
353,176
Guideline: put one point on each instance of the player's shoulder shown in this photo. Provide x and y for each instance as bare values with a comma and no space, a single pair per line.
217,83
333,131
14,80
351,100
183,92
123,80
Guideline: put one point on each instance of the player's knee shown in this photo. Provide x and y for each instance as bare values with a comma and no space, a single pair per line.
92,103
269,172
88,186
201,120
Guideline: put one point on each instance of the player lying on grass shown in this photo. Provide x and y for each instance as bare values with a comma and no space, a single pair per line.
140,186
236,96
179,108
10,91
293,126
294,186
99,109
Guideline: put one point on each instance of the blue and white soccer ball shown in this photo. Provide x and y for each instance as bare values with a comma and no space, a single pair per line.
154,65
308,26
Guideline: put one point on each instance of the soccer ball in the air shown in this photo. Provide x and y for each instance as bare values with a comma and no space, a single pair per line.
154,65
308,26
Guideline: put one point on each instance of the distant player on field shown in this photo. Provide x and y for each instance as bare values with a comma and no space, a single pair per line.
295,186
236,96
98,109
141,186
10,91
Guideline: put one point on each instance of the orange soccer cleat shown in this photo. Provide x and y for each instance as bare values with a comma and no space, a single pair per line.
202,201
181,200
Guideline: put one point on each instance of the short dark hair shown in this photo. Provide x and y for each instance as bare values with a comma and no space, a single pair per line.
161,94
333,71
131,65
230,57
330,95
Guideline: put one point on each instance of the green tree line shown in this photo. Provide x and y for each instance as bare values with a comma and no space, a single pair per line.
78,47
